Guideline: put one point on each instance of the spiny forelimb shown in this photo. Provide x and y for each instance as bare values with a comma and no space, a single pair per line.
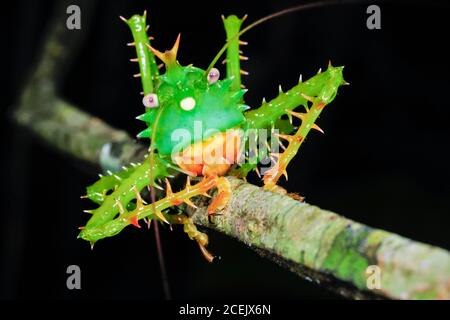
107,183
148,68
116,192
156,210
269,112
322,88
234,56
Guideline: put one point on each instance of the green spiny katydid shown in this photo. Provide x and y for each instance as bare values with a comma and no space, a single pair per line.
199,125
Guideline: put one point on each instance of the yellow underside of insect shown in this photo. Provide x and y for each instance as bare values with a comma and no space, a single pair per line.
212,157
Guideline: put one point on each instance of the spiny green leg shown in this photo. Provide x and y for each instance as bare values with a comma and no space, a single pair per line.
147,63
233,60
269,112
123,194
324,84
102,227
97,192
318,102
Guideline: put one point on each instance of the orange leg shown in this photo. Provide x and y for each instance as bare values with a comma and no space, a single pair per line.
191,230
222,198
219,202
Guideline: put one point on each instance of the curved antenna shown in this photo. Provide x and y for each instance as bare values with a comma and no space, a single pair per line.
162,265
300,7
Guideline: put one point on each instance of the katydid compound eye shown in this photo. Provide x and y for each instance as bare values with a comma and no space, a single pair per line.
187,104
150,101
213,75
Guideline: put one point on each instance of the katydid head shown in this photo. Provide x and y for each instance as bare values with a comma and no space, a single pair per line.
191,105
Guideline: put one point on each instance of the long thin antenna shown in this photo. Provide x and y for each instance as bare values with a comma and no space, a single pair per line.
275,15
162,264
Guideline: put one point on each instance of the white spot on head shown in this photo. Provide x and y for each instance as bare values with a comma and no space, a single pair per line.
187,104
213,75
150,101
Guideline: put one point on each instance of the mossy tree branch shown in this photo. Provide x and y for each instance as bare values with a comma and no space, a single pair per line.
322,246
318,245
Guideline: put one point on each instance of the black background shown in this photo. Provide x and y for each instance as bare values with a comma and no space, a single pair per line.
383,160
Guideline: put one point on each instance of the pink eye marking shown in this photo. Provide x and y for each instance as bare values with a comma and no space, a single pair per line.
150,101
213,75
